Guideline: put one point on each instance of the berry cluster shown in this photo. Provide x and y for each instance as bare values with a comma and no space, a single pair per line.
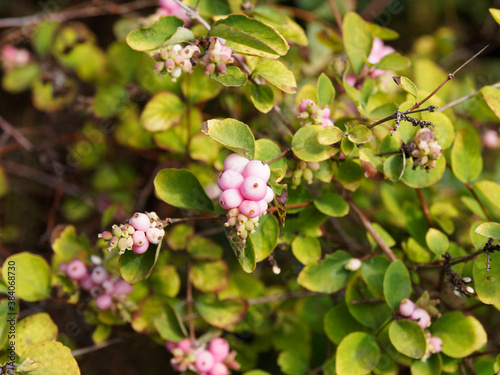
311,114
217,57
107,290
304,171
428,150
174,60
245,193
409,309
141,230
212,359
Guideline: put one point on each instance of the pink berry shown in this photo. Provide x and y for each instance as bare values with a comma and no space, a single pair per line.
230,198
269,195
253,188
257,168
219,369
170,345
184,345
155,235
76,270
104,301
63,267
421,317
121,287
235,162
250,209
436,344
87,283
99,274
139,238
140,249
219,349
406,307
204,362
262,206
140,221
230,180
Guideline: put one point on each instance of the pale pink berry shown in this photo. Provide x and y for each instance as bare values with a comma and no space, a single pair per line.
269,195
106,235
139,238
230,198
184,345
436,344
257,168
99,274
230,180
250,208
140,249
235,162
219,349
303,105
76,270
104,301
121,287
87,283
253,188
219,369
262,206
63,267
155,235
170,345
491,139
205,361
140,221
421,317
406,307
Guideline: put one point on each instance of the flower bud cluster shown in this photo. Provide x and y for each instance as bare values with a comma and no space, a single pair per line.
13,57
428,150
141,230
215,358
217,57
311,114
107,290
175,59
304,171
245,193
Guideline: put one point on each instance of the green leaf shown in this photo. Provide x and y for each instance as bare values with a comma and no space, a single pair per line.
461,335
221,314
373,271
277,74
197,87
262,97
54,359
293,363
306,147
431,366
28,365
203,248
437,241
359,134
67,245
382,32
21,78
408,338
357,354
307,250
466,159
7,311
394,61
165,280
338,323
34,329
163,111
31,273
397,284
109,100
358,40
148,310
491,190
394,167
101,333
329,276
159,34
169,324
326,91
137,267
244,252
332,204
420,178
407,85
492,97
210,276
232,134
248,36
489,230
43,36
443,129
329,135
349,173
180,188
487,283
233,77
265,238
346,146
496,14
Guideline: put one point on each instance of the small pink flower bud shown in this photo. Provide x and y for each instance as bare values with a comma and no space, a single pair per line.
106,235
140,221
104,301
77,270
436,344
421,317
257,168
406,307
170,345
184,345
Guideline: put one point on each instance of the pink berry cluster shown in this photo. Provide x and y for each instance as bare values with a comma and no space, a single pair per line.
141,230
13,57
175,59
215,358
428,150
311,114
409,309
245,193
108,290
217,57
304,171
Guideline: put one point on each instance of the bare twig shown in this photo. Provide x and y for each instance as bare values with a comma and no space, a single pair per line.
190,301
471,189
463,99
284,153
8,128
193,13
336,14
425,207
96,347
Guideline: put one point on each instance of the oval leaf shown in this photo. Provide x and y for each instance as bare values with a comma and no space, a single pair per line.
407,85
492,97
244,251
151,37
163,111
489,230
277,74
233,77
394,167
307,250
332,205
420,178
136,267
265,238
487,282
357,40
329,276
292,362
408,338
54,359
221,314
338,323
357,354
393,61
210,276
491,190
34,329
466,159
325,90
397,284
359,134
329,135
169,325
306,147
437,241
262,97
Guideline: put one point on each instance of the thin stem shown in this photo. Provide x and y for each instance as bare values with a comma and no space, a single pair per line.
96,347
190,302
471,189
194,218
463,99
336,14
284,153
193,13
425,208
283,118
8,128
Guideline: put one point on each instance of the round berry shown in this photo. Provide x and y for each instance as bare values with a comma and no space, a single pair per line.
406,307
235,162
253,188
76,270
257,168
230,180
230,198
219,369
250,208
219,349
121,287
184,345
139,238
155,235
269,195
263,206
205,361
87,283
104,301
421,317
140,249
140,221
436,344
99,274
